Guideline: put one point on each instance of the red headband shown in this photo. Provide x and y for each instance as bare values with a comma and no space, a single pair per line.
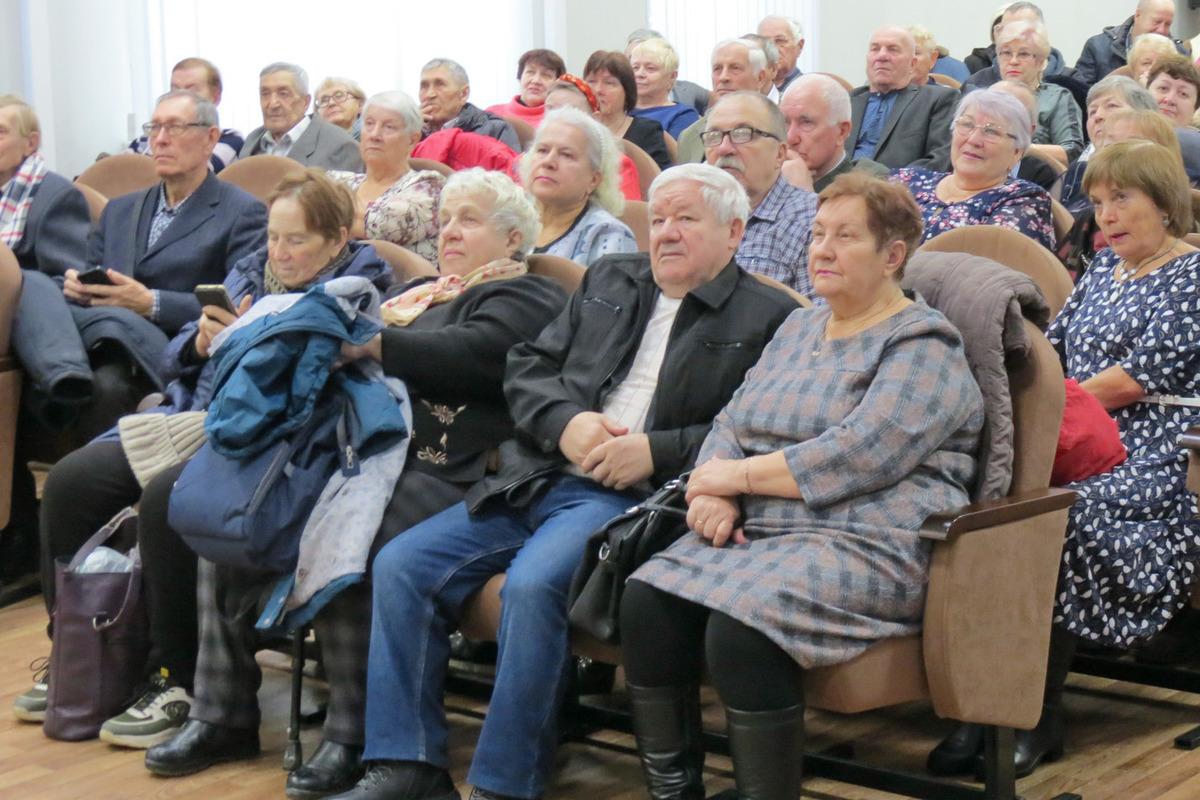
579,84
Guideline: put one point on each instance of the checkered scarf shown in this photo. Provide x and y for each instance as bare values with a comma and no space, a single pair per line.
403,309
17,196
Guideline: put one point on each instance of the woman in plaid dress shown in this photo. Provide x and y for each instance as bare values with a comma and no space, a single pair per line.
860,420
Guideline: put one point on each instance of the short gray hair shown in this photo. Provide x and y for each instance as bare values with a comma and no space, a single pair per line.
1032,32
206,112
641,35
1022,5
769,48
999,106
399,103
793,25
833,93
754,52
450,65
776,122
602,155
723,195
1133,93
512,208
298,74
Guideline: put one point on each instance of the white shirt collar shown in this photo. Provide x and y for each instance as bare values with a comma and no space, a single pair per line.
286,141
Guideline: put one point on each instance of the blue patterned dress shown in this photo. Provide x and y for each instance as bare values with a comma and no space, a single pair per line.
880,430
1018,204
1133,539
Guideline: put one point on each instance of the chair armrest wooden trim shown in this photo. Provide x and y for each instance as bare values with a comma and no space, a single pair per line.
988,514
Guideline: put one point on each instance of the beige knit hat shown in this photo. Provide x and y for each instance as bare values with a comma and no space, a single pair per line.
155,441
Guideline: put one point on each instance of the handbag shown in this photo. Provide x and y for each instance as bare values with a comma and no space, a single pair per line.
1089,442
618,548
101,640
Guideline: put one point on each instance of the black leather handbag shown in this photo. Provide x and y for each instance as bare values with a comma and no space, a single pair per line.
618,548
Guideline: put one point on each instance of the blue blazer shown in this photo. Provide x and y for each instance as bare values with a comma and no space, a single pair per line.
56,230
218,226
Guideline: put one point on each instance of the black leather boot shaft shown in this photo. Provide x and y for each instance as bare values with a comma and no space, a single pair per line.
666,724
768,752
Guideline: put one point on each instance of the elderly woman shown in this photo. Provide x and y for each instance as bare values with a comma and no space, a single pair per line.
571,92
1175,84
447,339
307,243
612,81
340,101
1021,52
822,545
655,67
571,171
1147,49
990,134
393,201
536,70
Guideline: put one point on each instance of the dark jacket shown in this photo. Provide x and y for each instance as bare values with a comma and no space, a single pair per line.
451,359
473,119
916,133
56,230
218,226
719,331
648,135
1106,51
984,59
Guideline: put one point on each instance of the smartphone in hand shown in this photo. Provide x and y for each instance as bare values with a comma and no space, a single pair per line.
96,276
214,294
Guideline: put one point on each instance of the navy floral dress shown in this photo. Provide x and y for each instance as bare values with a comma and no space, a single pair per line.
1018,204
1133,539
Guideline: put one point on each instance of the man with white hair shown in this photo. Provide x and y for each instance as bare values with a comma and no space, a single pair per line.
288,131
788,36
610,402
817,111
892,121
737,65
445,90
1108,50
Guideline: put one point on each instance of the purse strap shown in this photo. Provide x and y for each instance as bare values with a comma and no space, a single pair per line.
101,624
100,537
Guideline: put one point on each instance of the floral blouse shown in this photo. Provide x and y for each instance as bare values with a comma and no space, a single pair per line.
407,213
1018,204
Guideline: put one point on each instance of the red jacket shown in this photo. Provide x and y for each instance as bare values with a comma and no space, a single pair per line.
515,108
459,149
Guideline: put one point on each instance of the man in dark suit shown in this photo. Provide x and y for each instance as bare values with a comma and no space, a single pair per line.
894,122
288,131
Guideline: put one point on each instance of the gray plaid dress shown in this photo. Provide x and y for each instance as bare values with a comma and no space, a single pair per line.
880,430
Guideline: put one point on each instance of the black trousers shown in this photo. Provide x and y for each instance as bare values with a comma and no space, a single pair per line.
82,492
667,641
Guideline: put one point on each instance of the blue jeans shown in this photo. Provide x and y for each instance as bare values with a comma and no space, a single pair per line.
421,581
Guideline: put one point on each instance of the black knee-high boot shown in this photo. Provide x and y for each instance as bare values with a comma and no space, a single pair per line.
768,752
1045,742
666,724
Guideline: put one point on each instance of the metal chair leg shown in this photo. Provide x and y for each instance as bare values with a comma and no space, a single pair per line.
999,771
293,754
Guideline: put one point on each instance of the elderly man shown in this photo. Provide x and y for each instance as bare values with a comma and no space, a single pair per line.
744,135
201,77
1107,50
288,131
788,36
612,400
737,65
982,61
767,87
444,92
894,122
817,111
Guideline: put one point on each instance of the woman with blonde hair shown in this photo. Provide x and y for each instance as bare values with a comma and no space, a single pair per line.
1022,49
655,67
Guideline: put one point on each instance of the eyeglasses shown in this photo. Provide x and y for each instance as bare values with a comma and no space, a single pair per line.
338,97
739,135
991,134
151,129
1019,55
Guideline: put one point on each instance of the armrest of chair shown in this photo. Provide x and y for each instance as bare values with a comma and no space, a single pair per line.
1190,441
10,400
992,579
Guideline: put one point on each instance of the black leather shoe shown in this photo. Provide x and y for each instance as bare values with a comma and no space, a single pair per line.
957,753
1043,744
402,780
200,745
333,768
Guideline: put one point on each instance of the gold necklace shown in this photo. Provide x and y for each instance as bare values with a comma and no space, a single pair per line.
1124,274
858,326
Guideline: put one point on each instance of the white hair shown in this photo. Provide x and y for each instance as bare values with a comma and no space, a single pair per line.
797,30
206,112
836,98
602,155
723,195
999,106
512,208
450,65
398,103
1023,30
754,52
298,74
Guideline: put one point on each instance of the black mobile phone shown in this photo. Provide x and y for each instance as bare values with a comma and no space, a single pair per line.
96,276
214,294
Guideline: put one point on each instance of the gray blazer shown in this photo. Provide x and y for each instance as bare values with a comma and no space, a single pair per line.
321,145
56,230
916,133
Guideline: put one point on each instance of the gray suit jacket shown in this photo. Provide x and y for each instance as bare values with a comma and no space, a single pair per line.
56,230
916,133
321,145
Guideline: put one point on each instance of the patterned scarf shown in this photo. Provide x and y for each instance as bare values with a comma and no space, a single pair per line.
272,284
17,196
404,308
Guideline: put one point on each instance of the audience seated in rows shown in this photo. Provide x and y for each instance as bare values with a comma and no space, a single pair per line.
445,94
590,443
788,36
200,76
817,111
287,130
985,69
339,101
991,134
1147,49
393,201
611,79
737,65
1107,50
655,67
447,339
1044,172
570,91
537,70
744,135
683,92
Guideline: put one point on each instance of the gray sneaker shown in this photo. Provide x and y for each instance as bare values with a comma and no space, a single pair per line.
154,718
31,706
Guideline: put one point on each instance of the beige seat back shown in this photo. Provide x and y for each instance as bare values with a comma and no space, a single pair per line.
10,376
945,80
565,272
259,175
121,174
96,201
429,163
405,264
803,301
637,216
647,170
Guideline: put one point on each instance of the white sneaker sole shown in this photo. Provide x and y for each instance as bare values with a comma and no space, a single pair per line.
28,715
142,742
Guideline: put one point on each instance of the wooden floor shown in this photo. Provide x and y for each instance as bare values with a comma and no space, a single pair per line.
1119,746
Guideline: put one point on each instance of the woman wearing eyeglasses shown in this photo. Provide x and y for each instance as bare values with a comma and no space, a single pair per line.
989,135
1021,52
340,101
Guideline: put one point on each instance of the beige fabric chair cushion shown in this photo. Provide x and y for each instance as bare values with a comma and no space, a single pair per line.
889,673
